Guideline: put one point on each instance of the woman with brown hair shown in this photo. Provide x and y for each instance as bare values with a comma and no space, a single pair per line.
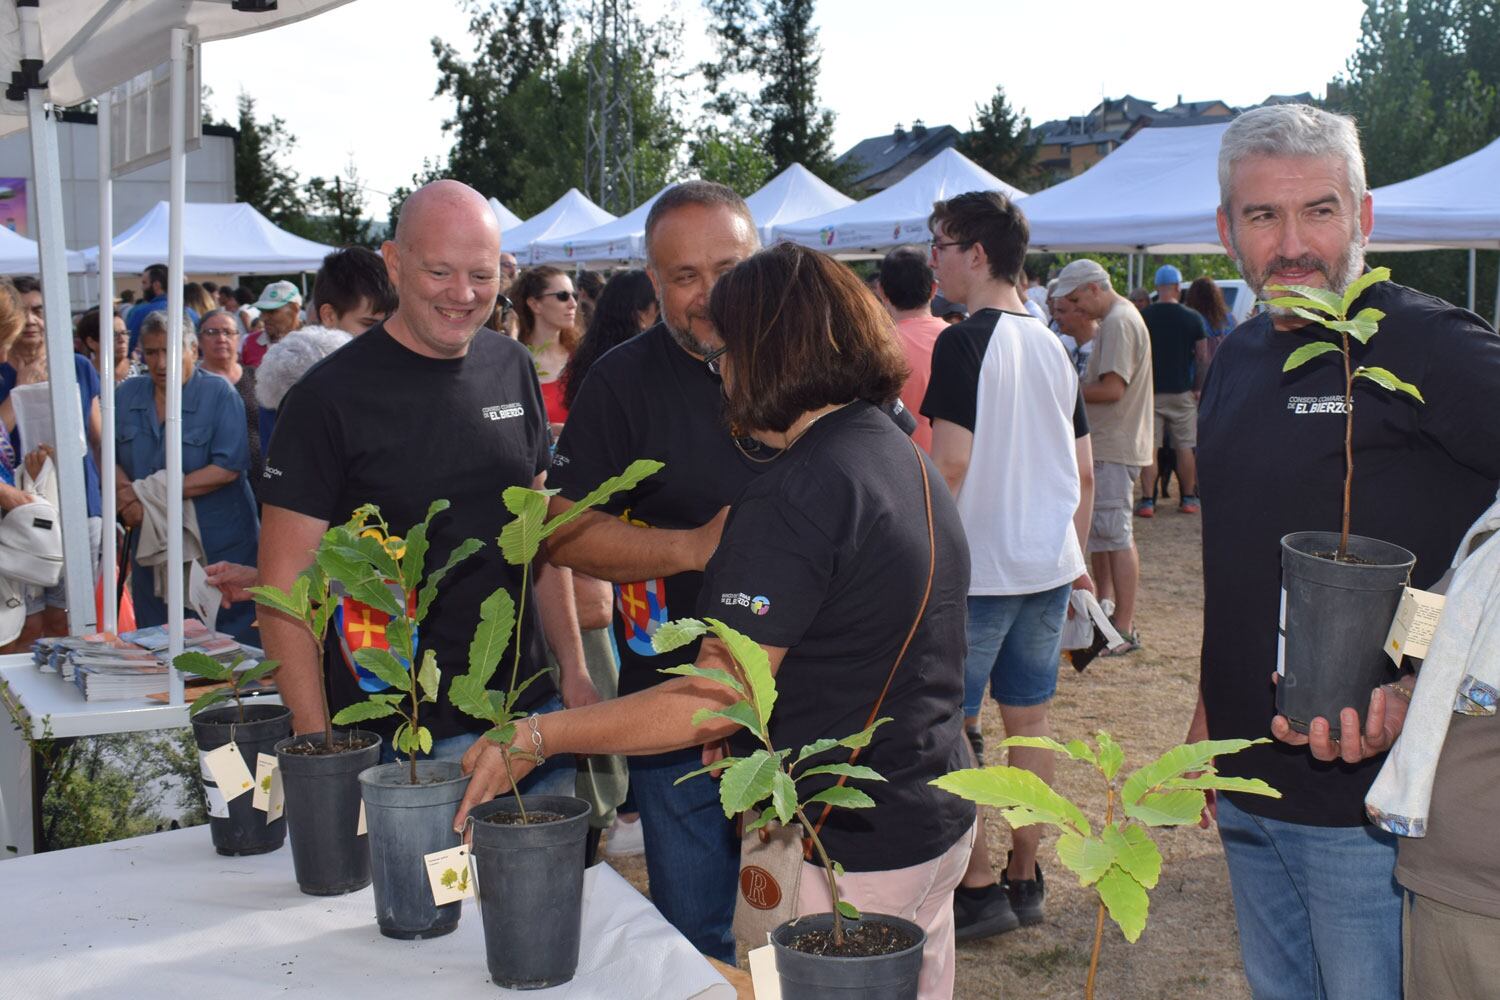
1205,299
546,310
845,560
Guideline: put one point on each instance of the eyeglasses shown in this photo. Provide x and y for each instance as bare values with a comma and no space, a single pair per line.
711,359
560,296
933,246
214,332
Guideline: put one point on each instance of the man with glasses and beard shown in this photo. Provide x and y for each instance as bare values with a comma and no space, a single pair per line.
1315,891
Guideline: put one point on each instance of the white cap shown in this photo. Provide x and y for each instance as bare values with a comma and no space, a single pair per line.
1080,273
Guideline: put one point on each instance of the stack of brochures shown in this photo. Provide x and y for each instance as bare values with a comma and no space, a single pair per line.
133,664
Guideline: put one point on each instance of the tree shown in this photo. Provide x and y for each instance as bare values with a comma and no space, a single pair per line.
774,41
729,157
335,210
1423,86
999,140
261,177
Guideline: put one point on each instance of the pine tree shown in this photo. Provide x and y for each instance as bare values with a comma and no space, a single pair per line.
261,176
999,140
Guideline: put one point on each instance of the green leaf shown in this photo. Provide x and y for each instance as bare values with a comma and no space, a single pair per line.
674,635
628,480
764,819
1076,749
414,560
261,669
1329,302
428,677
747,782
1177,761
1306,353
382,664
1087,857
1294,302
424,739
1127,902
857,771
1016,791
1249,786
1356,287
363,711
1388,381
814,748
398,632
862,739
522,535
388,698
461,551
848,910
467,694
280,600
740,713
1110,755
1136,852
503,735
717,765
843,797
497,622
784,797
754,663
358,578
208,700
377,555
1361,327
201,664
403,740
1175,808
718,676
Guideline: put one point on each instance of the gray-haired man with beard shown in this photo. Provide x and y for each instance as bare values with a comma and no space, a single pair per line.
1315,891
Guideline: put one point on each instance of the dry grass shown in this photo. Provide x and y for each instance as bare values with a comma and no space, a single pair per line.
1190,948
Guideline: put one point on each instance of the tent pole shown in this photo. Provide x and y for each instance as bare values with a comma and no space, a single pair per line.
109,550
177,189
62,377
1473,265
1496,321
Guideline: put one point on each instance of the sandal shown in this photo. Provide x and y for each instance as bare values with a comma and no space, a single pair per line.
1130,644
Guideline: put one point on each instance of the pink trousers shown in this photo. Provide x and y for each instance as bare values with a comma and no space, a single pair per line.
922,894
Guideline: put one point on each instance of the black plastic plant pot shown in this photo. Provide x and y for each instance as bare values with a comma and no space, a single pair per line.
406,822
1334,620
329,854
529,879
244,829
805,976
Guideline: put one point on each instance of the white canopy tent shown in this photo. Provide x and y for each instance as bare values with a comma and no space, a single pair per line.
791,196
898,214
508,220
572,213
61,54
18,255
217,239
1457,205
622,240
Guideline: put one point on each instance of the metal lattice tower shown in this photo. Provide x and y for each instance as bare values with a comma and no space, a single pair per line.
609,141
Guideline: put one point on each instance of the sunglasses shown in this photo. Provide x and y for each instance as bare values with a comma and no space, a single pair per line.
560,296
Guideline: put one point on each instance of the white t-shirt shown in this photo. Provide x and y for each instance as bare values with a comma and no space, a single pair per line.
1007,379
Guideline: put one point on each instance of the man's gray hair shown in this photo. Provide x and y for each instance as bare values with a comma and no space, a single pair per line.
157,322
1283,130
696,193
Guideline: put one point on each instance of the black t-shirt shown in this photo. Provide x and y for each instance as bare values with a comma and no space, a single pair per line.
827,554
1175,332
377,423
1271,461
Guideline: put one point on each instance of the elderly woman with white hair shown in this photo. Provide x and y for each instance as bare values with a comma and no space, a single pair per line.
215,458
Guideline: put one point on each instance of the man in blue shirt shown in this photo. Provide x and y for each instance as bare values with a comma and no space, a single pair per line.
153,299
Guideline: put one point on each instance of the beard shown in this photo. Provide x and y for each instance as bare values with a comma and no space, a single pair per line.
1337,276
684,339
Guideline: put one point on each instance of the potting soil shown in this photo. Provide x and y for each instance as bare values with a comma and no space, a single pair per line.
868,939
506,818
323,750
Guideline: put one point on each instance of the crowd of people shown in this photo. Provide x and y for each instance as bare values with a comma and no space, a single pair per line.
895,488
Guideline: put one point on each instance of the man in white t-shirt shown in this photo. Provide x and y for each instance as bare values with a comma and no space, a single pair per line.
1010,437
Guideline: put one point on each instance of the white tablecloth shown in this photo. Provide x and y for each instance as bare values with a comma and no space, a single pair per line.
164,916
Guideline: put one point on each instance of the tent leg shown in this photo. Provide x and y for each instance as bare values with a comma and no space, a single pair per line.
109,551
177,188
1496,322
1473,266
67,415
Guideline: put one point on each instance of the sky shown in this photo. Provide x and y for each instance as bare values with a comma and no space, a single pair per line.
357,82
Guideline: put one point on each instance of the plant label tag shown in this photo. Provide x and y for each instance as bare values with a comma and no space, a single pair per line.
265,766
1415,623
1281,638
763,973
361,829
228,771
276,799
217,807
474,875
449,874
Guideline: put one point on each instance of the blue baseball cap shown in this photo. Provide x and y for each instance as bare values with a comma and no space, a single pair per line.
1168,275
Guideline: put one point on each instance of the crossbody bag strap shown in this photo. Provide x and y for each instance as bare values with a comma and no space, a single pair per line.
911,634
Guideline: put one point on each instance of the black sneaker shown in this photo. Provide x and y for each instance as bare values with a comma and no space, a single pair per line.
982,913
976,740
1027,896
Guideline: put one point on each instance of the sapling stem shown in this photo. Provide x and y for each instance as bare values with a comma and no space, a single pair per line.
1348,446
1109,817
515,674
833,885
416,743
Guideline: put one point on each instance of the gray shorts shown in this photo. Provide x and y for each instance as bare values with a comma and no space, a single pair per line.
56,596
1114,489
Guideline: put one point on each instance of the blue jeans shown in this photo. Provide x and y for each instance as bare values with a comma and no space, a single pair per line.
692,854
555,777
1014,645
1318,907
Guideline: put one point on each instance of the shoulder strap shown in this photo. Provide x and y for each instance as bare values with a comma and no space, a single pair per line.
911,634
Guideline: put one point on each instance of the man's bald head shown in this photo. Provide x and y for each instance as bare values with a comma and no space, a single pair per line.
438,204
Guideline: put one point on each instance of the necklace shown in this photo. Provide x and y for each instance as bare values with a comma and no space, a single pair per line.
739,440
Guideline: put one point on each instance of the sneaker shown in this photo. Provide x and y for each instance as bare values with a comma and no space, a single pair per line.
976,740
624,840
1027,896
1145,507
982,913
1189,505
